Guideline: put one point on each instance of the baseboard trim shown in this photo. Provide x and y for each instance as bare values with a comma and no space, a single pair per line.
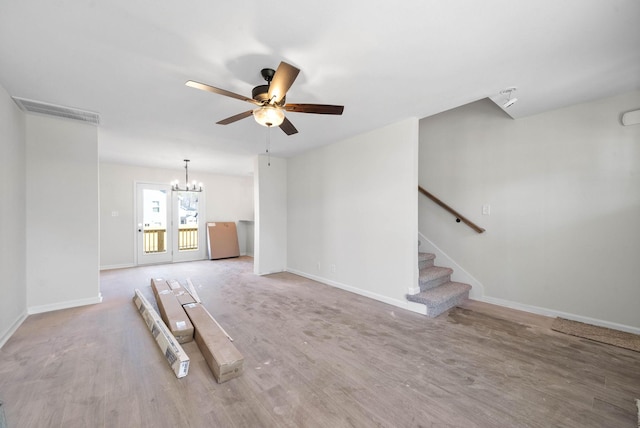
120,266
13,328
418,308
553,313
413,290
64,305
375,296
270,272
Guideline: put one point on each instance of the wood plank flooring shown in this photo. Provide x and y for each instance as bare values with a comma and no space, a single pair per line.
315,356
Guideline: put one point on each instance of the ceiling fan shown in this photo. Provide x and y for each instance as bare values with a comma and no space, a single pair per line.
270,99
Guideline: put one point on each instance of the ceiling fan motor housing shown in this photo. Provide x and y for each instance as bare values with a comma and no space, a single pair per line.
260,93
267,74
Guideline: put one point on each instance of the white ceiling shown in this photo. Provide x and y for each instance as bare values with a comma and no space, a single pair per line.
384,61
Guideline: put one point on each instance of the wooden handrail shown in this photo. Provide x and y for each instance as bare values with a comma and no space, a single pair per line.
459,217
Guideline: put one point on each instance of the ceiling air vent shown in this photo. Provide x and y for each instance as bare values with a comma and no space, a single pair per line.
59,111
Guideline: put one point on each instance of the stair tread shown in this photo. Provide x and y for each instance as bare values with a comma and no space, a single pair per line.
437,292
433,272
426,256
441,293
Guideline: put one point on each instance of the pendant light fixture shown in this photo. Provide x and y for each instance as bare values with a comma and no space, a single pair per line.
188,187
510,101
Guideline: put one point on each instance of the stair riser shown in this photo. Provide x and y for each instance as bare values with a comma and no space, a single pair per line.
425,264
425,260
433,283
437,292
434,311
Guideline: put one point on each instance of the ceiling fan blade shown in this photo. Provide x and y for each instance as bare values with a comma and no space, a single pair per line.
235,118
288,127
314,108
219,91
283,79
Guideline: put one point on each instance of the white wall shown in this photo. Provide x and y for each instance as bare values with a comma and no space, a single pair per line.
13,303
246,230
270,182
352,213
228,198
62,213
563,236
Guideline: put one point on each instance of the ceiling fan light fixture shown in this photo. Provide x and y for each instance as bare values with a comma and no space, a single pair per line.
269,115
269,101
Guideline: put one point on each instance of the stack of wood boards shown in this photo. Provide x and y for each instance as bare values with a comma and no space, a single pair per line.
184,295
171,310
224,360
171,349
187,319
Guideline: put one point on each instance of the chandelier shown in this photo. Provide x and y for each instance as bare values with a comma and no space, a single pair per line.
188,187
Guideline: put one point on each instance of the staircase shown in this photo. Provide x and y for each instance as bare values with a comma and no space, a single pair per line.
437,292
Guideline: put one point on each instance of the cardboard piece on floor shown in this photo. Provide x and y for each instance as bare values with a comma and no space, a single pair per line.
183,295
222,240
171,311
223,358
174,354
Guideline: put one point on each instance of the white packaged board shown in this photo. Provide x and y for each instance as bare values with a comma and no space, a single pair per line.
174,354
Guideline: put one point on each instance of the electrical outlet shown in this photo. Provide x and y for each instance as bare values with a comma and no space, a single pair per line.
318,266
486,209
333,268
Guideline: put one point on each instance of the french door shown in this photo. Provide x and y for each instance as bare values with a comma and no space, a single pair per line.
189,241
168,224
153,222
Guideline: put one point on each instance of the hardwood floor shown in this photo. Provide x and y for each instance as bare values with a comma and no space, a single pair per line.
315,356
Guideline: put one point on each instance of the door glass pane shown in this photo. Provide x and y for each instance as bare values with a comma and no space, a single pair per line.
188,221
155,221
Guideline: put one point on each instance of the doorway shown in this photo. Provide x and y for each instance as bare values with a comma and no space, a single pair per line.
189,229
169,225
